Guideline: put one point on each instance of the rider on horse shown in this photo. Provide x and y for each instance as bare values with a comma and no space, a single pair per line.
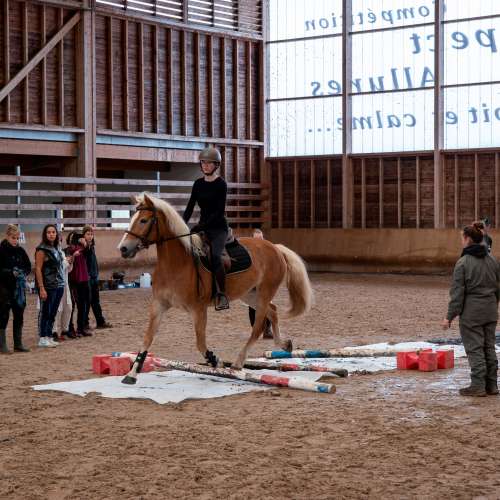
210,193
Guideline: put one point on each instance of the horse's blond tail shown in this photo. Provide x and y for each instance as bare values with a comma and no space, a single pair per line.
297,282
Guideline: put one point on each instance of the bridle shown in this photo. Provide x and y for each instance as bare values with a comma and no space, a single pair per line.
153,222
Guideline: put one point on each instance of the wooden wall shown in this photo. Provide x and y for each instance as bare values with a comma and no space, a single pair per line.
388,191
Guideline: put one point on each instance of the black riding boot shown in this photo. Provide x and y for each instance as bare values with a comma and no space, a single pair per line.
221,300
3,343
18,340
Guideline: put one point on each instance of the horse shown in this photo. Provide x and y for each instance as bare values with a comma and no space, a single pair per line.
179,281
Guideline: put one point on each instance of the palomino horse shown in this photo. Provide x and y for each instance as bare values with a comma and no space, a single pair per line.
179,282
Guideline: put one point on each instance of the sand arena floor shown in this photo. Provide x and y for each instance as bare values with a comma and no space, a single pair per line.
388,435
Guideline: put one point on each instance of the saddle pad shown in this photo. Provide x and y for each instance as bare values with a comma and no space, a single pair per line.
240,258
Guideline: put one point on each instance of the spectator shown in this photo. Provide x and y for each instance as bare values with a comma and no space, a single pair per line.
93,269
488,241
15,265
79,282
63,316
474,296
49,273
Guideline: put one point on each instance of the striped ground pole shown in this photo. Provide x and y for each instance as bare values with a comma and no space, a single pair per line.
293,367
329,353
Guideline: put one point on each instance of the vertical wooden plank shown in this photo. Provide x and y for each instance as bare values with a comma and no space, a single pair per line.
248,97
399,194
295,194
280,195
61,71
44,65
313,193
223,87
363,193
185,11
6,54
25,61
236,111
156,98
497,201
236,172
170,84
417,192
476,187
381,192
210,70
140,68
328,192
110,73
183,83
456,192
126,123
197,112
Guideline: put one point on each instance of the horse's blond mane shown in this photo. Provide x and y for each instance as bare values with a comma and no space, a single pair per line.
174,221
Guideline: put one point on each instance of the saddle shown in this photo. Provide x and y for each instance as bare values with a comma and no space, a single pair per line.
235,256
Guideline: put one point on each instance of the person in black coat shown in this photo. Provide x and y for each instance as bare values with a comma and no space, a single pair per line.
15,265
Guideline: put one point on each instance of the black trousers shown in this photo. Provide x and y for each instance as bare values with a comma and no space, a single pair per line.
17,314
95,304
217,239
81,295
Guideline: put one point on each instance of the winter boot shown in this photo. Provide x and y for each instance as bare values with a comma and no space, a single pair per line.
3,343
18,342
474,391
491,388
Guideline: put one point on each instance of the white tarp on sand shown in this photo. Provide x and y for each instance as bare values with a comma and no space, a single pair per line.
166,387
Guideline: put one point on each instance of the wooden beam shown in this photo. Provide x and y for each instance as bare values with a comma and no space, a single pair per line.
456,192
170,84
183,83
28,147
222,107
146,154
295,194
156,97
248,82
328,192
497,192
26,92
280,195
417,192
400,204
185,11
61,71
44,65
6,55
126,122
312,197
236,111
381,193
196,57
363,194
140,69
110,73
210,71
14,82
476,187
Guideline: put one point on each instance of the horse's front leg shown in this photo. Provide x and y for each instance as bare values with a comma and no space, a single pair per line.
156,311
200,328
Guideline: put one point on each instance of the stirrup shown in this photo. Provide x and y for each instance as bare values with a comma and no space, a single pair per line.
221,302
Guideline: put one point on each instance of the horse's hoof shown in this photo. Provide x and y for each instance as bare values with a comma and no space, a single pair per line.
129,380
288,346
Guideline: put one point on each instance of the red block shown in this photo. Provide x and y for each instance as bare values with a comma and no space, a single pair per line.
427,361
119,366
445,359
407,360
100,364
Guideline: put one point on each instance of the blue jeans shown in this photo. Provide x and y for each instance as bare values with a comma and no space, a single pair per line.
48,311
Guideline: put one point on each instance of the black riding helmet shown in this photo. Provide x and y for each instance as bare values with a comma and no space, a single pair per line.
212,155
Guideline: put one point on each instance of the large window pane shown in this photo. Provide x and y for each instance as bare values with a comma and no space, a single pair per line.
401,121
472,51
305,127
460,9
472,117
303,18
305,68
375,14
393,60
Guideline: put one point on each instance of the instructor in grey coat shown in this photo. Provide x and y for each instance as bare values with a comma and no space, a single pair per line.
474,296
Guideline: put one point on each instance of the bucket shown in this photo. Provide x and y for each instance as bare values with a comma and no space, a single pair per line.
145,280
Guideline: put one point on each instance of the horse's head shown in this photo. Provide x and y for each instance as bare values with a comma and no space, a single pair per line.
143,228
